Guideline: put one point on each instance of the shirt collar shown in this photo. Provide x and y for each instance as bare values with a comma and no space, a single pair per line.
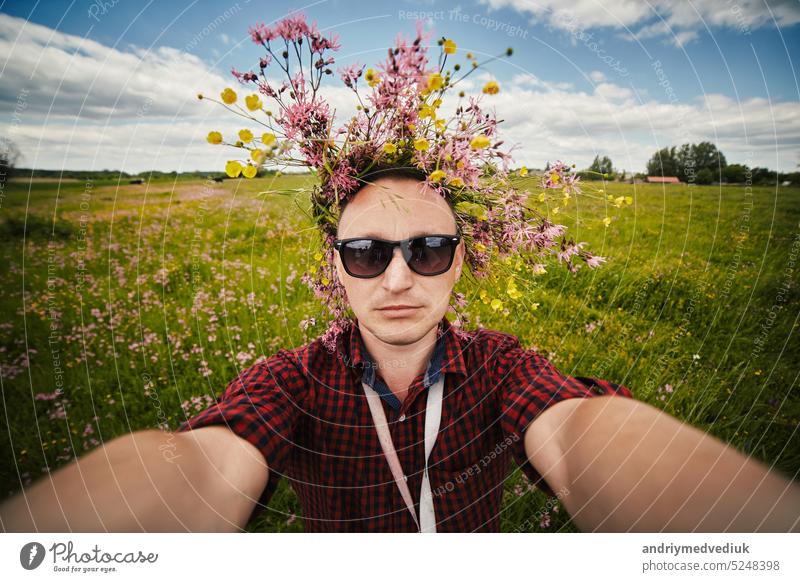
448,356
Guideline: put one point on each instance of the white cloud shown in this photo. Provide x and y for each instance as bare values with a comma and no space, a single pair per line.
75,103
88,106
69,76
678,21
597,76
575,126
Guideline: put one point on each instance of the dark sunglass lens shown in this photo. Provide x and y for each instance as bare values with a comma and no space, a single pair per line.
430,255
365,258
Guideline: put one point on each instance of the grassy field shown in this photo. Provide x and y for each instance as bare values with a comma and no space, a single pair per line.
143,301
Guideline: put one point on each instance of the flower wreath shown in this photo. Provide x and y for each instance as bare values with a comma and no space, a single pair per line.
398,123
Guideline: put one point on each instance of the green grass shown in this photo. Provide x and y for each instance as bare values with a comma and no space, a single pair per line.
143,283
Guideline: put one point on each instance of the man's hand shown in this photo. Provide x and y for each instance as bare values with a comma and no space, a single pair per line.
207,479
628,466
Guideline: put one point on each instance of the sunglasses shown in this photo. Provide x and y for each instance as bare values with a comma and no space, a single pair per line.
427,255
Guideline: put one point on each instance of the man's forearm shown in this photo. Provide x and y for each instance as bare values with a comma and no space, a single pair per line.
632,467
145,481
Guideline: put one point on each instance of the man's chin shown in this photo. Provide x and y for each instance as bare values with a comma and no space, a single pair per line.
400,329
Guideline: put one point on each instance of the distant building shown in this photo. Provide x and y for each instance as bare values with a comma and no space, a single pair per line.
663,180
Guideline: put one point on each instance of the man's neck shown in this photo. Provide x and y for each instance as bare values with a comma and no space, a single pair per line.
398,365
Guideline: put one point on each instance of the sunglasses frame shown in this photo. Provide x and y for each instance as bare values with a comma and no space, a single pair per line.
404,248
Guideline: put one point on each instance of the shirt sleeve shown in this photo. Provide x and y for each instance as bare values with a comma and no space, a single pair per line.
528,385
263,405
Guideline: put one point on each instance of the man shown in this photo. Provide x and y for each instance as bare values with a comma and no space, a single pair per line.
617,464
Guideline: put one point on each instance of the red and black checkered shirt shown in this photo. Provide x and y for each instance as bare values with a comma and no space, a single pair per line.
305,410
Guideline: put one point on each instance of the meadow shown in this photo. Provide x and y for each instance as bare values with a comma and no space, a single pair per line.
129,307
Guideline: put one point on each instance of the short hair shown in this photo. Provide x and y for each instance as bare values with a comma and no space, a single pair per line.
407,172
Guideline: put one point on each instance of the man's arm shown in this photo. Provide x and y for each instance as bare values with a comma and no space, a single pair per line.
207,479
628,466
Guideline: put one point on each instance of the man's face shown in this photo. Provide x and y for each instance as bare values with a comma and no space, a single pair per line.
397,209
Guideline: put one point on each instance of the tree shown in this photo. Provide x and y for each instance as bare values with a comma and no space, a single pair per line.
663,163
704,176
691,158
9,157
602,165
735,173
763,176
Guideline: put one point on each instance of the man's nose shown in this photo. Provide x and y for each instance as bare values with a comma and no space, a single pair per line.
398,275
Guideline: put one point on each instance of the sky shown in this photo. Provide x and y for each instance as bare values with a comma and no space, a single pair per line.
112,84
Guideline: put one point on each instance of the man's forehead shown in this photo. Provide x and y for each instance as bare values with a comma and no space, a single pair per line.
372,233
396,209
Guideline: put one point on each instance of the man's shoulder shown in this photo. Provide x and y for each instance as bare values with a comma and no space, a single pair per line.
487,338
302,359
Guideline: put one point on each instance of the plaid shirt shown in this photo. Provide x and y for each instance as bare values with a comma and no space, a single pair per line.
305,410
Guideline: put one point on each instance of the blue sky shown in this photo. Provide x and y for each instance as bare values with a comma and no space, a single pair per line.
583,79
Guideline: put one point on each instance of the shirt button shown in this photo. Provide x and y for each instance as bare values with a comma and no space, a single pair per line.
402,417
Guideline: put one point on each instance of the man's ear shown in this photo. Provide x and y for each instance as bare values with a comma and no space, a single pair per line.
338,264
460,253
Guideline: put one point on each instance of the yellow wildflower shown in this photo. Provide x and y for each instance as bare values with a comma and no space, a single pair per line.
437,176
253,102
450,47
421,144
439,124
389,148
435,82
250,171
233,169
628,199
372,77
214,137
523,171
607,221
479,142
268,138
497,304
480,246
228,96
427,111
258,155
456,182
246,135
541,197
512,290
554,177
491,88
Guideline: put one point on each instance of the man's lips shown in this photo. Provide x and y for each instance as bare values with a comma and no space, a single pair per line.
398,307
